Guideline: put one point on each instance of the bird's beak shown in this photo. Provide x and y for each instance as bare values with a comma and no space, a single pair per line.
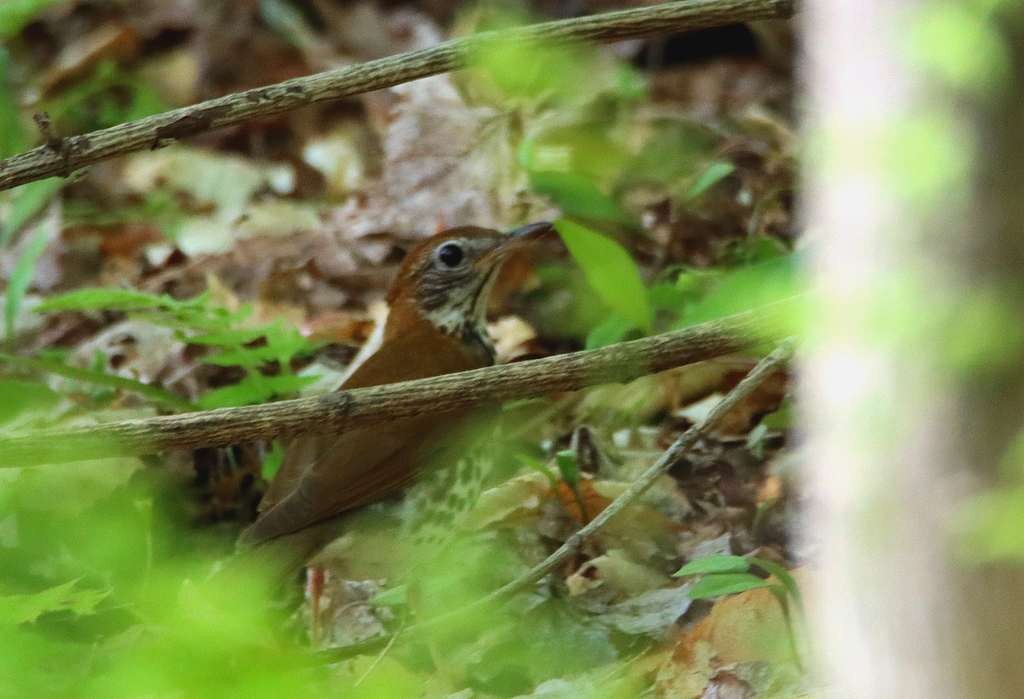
531,231
514,240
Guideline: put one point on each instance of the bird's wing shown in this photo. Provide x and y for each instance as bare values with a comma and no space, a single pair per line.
325,477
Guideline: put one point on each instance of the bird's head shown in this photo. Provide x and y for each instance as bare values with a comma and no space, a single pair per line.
446,279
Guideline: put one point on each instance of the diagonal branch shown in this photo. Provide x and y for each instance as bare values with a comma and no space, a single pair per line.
65,155
765,368
337,411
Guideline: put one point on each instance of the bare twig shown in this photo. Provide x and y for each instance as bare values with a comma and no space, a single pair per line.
336,411
161,129
765,368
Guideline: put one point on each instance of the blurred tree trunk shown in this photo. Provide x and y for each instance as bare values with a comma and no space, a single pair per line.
913,385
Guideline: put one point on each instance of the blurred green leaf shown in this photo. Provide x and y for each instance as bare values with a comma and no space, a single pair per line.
783,418
396,596
15,14
13,138
23,274
612,329
18,396
712,175
110,96
254,388
610,271
98,377
26,608
567,466
105,299
272,461
577,196
712,586
715,564
26,202
288,21
743,288
780,574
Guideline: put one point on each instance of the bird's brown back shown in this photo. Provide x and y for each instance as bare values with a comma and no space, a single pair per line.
324,476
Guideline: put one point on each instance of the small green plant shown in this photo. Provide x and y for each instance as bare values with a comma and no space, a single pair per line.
723,575
230,339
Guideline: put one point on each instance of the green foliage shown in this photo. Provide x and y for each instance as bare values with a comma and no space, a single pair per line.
98,378
715,564
110,96
567,467
577,196
728,575
961,44
18,397
713,294
21,277
26,202
272,461
111,299
15,14
159,207
717,171
230,341
27,608
12,134
610,271
104,580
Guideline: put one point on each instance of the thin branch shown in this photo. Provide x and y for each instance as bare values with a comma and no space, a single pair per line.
337,411
765,368
75,152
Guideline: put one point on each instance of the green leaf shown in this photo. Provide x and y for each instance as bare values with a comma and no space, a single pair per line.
12,133
15,14
783,418
272,461
25,609
282,344
538,466
745,288
780,574
610,271
255,388
396,596
229,338
248,357
721,563
17,397
26,202
100,299
567,466
577,196
715,173
21,277
712,586
98,377
613,329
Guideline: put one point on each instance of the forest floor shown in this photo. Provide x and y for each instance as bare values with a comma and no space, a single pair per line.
249,265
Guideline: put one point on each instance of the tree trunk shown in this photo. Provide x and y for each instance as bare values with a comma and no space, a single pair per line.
913,388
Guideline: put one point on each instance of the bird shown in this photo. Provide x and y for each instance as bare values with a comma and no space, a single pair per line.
436,324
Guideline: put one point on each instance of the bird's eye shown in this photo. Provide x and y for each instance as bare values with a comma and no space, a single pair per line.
450,255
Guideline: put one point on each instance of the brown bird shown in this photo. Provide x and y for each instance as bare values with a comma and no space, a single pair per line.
435,325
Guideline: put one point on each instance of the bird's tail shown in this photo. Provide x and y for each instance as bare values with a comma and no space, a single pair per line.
276,560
